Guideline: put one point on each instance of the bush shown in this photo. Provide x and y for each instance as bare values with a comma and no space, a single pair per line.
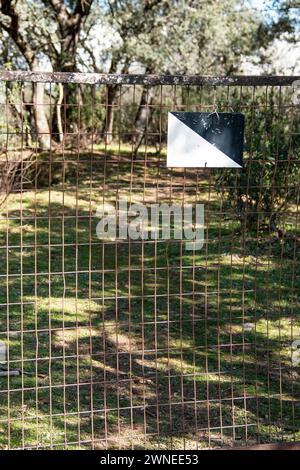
268,183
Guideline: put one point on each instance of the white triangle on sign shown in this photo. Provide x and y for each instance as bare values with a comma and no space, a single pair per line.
187,149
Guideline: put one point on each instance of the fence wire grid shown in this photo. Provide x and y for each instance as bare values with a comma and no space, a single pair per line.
140,344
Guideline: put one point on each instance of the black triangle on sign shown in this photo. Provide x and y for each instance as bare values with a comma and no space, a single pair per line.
219,143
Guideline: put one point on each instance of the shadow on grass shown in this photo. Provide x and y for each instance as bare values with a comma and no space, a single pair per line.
141,344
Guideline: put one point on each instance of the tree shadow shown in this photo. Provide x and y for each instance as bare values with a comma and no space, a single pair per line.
141,344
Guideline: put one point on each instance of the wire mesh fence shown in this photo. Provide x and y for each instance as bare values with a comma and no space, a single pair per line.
139,343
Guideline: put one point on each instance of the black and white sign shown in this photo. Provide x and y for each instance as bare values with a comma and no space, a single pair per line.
210,140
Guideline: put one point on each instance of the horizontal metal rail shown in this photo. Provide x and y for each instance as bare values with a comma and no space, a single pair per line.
139,79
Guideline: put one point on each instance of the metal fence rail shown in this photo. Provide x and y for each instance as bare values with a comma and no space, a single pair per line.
140,343
139,79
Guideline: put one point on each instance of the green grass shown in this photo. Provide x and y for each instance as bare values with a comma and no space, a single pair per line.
91,323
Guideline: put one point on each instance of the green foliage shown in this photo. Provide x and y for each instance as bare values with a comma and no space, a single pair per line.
181,37
268,182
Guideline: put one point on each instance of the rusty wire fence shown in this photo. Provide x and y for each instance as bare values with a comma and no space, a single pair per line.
140,343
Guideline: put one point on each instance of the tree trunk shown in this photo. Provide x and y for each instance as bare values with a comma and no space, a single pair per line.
42,127
108,123
143,117
9,8
112,90
58,113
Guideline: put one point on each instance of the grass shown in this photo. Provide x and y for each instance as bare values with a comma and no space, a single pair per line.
143,344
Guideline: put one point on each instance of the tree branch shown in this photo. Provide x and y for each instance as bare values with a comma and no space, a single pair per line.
8,9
